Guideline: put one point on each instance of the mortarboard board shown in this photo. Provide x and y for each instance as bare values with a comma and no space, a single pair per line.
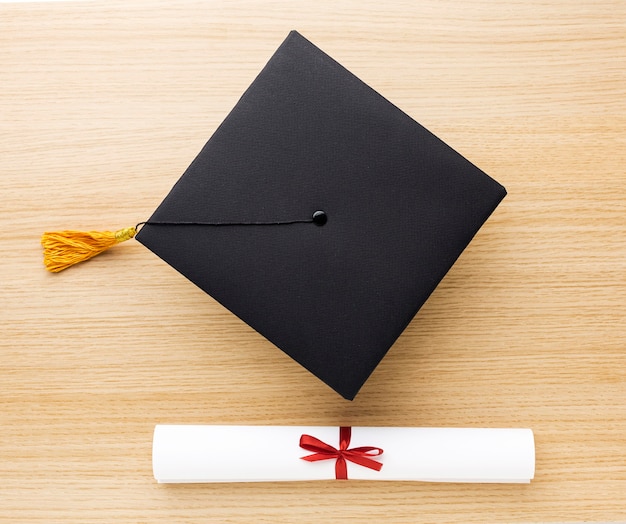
321,215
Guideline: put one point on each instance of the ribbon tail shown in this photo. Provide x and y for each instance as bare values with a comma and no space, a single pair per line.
364,461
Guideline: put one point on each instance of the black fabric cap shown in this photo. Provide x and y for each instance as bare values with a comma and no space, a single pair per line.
400,206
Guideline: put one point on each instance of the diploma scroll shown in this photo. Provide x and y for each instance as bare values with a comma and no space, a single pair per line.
193,453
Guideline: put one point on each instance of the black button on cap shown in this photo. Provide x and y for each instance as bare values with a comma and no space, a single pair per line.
320,218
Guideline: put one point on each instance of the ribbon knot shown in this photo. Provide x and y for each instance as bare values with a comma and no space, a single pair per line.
323,451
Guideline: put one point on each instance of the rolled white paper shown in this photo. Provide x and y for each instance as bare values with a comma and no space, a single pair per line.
193,453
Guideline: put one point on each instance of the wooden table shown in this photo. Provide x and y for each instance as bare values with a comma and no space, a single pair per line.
102,107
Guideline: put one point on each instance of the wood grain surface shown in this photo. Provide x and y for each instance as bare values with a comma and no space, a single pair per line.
102,107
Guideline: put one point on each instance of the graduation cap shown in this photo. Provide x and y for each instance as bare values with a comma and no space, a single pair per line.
319,213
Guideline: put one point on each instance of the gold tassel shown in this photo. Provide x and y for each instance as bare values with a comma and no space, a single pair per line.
62,249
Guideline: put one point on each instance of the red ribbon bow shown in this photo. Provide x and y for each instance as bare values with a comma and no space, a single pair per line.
323,451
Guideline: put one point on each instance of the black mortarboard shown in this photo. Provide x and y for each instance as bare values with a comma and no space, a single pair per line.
308,136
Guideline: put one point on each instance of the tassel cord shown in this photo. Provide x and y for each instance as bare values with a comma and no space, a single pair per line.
63,249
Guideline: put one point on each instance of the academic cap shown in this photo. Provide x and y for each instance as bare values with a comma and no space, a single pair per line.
321,215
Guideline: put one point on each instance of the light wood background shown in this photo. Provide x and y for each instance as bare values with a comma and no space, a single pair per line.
102,107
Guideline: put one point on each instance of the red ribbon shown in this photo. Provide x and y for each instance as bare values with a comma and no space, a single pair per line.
323,451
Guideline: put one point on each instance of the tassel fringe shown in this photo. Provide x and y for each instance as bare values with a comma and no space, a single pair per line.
62,249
